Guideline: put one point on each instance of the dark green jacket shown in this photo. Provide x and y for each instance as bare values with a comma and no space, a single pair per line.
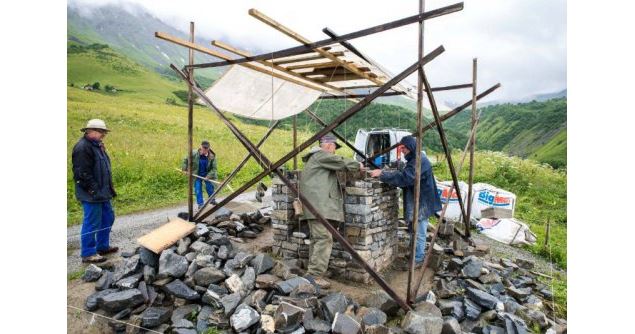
318,183
211,164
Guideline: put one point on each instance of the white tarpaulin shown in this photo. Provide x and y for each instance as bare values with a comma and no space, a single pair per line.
508,230
247,93
488,196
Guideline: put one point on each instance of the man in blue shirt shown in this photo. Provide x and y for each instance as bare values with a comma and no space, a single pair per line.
429,200
204,165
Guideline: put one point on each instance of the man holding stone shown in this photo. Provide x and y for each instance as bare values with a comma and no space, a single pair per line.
429,200
318,184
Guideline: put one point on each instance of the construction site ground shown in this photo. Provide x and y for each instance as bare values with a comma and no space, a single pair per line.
127,229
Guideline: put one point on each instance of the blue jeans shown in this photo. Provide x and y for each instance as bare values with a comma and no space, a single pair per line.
98,219
209,187
420,250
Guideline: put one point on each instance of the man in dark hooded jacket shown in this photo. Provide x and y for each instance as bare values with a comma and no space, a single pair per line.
429,201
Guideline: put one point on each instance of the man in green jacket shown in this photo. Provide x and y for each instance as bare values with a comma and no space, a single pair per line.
318,184
204,165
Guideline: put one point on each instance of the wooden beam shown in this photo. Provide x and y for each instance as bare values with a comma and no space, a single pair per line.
221,55
335,78
333,71
287,31
239,52
296,59
312,65
307,48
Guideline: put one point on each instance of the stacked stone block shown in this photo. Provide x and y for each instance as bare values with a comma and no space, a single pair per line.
371,218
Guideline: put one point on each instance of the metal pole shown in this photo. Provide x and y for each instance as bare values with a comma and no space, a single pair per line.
448,154
417,186
295,140
190,123
339,120
266,164
472,145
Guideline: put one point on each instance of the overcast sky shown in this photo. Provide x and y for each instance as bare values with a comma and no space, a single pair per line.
519,43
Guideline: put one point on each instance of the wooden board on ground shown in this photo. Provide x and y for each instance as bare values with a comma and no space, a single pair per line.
166,235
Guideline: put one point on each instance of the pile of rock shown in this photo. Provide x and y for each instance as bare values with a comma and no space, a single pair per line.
202,282
480,293
371,209
246,225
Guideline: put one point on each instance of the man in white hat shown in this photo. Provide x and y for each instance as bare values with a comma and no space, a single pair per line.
94,189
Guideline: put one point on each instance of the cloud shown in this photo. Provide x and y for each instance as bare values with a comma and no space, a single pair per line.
519,43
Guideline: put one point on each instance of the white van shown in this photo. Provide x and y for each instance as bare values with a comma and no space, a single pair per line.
375,140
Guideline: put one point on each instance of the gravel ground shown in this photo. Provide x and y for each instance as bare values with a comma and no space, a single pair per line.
128,228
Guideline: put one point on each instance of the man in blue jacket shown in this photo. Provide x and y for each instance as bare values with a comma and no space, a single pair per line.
94,189
204,164
429,201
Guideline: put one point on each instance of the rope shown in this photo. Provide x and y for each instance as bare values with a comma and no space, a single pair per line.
112,319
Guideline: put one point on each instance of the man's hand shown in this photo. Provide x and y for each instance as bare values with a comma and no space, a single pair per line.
375,173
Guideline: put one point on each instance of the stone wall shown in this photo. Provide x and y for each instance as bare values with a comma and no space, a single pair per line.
371,220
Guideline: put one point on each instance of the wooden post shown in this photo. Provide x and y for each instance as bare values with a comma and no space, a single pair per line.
417,185
472,144
547,232
190,123
295,140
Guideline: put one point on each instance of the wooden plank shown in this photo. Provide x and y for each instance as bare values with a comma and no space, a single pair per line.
312,65
334,71
287,31
340,77
221,55
296,59
166,235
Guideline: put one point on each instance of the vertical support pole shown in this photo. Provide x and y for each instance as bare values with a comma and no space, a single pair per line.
417,185
472,144
190,123
295,141
547,232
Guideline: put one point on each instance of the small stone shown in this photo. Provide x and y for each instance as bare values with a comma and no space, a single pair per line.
490,278
154,316
268,325
472,267
202,319
92,300
223,252
452,308
373,316
127,268
183,323
248,279
203,261
182,245
525,264
334,303
491,329
201,247
243,318
262,263
185,311
381,300
149,274
451,326
432,317
129,282
380,329
243,258
285,287
472,310
454,265
266,281
344,324
533,303
190,256
201,230
519,294
288,317
172,264
230,302
179,289
317,325
508,264
148,257
234,284
105,281
208,275
482,298
117,301
282,270
92,273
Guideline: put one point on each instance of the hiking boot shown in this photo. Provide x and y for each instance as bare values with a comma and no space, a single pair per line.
322,282
93,259
108,251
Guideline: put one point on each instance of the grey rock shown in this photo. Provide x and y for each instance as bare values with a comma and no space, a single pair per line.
220,290
482,298
149,274
235,284
267,325
413,323
432,317
223,252
513,324
243,258
208,275
282,270
201,319
518,293
201,247
285,287
148,257
452,308
546,293
230,302
381,300
334,303
201,230
262,263
210,297
533,303
288,317
243,318
184,312
231,267
510,304
105,281
183,245
129,282
344,324
303,290
248,279
127,268
472,310
204,260
451,326
491,329
317,325
257,300
534,317
172,264
183,323
490,278
117,301
179,289
191,269
184,331
496,289
190,256
92,300
454,265
92,273
219,240
154,316
380,329
472,267
266,281
525,264
122,314
374,316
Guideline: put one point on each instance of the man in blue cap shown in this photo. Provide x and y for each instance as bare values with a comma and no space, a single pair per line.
429,200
